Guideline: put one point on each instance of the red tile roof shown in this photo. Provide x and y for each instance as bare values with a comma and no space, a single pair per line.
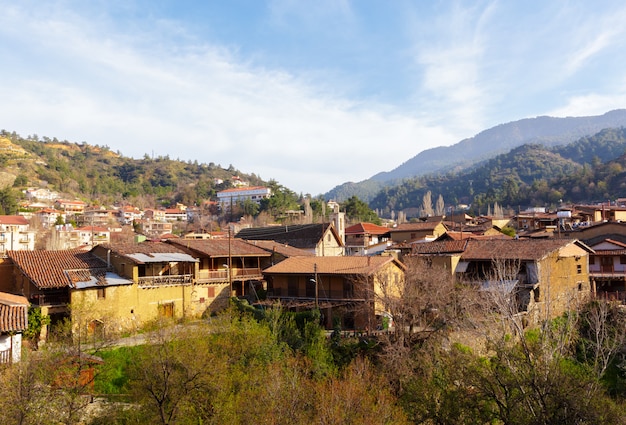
519,249
366,228
350,265
49,269
441,247
13,313
221,247
13,220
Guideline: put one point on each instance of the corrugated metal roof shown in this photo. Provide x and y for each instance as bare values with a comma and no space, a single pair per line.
162,257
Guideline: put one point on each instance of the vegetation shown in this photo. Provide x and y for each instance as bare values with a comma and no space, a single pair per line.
455,357
100,176
590,169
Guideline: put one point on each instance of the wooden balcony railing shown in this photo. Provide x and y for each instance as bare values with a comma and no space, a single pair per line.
50,299
222,274
180,279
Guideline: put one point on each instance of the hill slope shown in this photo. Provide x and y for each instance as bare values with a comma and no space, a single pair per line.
590,168
546,131
96,174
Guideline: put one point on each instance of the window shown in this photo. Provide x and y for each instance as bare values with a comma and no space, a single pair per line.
579,268
622,259
166,310
102,293
292,286
348,289
310,286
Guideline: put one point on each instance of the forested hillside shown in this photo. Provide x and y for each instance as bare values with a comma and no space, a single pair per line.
545,131
586,170
97,174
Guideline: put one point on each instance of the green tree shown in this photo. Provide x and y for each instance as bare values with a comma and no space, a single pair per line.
8,201
358,211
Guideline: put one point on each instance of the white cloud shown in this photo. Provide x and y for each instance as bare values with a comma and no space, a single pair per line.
197,102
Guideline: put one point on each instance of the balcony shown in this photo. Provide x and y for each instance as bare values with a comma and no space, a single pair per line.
206,276
156,281
54,299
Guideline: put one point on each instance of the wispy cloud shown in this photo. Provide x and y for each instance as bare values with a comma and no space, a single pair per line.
156,84
199,102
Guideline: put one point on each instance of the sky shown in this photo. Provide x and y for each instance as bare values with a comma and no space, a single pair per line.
310,93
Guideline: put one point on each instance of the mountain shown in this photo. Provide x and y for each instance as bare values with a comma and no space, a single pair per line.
546,131
592,168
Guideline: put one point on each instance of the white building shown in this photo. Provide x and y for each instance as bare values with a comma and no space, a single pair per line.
228,197
15,234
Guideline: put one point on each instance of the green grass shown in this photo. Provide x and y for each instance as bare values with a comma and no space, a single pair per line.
112,377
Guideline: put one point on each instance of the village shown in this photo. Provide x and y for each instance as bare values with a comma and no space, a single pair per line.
123,267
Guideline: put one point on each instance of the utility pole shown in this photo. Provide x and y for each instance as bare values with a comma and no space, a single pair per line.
317,304
230,264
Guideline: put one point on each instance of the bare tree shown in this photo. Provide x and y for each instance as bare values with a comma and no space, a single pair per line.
427,205
440,206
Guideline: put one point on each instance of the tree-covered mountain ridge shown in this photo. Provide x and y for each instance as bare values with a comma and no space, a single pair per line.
99,175
543,130
590,169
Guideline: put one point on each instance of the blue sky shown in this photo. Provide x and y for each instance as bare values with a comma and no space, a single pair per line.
310,93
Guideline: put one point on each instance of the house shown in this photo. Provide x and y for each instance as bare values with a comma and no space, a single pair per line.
13,321
154,215
601,213
54,280
366,239
162,277
108,288
70,208
343,288
15,234
428,230
545,277
229,197
98,216
48,216
321,239
153,228
128,214
226,265
40,194
607,268
175,214
93,235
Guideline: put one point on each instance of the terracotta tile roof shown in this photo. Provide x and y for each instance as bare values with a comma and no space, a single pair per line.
407,227
13,313
441,247
304,236
49,269
521,249
282,249
13,220
366,228
349,265
220,247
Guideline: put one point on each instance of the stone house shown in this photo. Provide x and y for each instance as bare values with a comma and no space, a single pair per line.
343,288
321,239
545,277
